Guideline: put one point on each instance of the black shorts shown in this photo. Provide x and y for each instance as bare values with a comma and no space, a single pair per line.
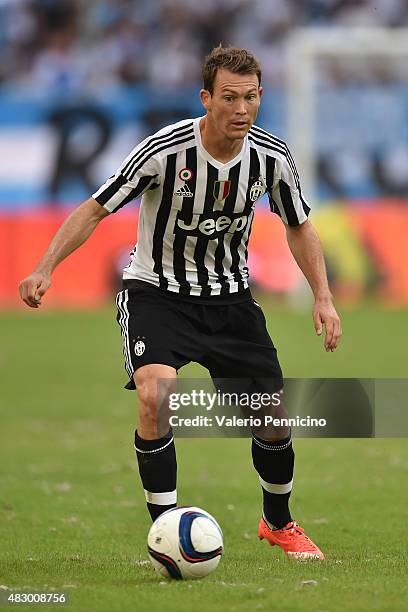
230,340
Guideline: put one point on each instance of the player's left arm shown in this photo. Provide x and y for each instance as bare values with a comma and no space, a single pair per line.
305,245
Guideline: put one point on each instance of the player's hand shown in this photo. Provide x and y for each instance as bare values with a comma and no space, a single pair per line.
33,288
324,314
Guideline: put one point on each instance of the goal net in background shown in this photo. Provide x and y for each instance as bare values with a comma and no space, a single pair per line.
348,127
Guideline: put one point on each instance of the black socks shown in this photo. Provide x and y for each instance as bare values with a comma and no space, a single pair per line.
158,472
274,463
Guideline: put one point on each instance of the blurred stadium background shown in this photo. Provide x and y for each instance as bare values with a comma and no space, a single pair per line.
82,81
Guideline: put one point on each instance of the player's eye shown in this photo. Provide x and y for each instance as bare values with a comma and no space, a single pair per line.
228,98
251,97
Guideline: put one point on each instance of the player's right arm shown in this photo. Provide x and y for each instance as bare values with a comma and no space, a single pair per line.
137,174
75,230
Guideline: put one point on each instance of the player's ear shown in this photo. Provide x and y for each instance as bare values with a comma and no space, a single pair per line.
260,91
205,98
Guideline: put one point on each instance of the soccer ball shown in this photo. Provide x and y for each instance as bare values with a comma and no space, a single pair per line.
185,542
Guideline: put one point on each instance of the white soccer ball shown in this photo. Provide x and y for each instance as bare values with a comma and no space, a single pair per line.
185,542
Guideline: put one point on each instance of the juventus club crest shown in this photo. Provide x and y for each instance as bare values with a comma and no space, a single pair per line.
139,347
221,190
257,190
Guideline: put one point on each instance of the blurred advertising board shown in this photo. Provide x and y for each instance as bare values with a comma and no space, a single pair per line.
366,251
57,152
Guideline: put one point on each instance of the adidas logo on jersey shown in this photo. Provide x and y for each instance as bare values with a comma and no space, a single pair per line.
184,192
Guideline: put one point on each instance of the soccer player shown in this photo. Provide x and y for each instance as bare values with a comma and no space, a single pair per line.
185,290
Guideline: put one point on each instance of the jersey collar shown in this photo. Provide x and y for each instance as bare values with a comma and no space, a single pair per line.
205,154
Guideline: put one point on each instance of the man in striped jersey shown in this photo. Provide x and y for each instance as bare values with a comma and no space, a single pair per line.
185,291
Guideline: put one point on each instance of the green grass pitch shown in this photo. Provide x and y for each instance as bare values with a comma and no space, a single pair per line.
72,513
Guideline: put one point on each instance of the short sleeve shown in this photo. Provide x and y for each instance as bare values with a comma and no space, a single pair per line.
137,174
285,197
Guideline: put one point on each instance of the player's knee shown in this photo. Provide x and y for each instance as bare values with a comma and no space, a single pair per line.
147,411
148,398
153,406
147,390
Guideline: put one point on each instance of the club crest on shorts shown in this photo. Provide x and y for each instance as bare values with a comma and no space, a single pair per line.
140,347
221,190
257,190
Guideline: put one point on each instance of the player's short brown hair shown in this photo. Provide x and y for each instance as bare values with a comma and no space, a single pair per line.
239,61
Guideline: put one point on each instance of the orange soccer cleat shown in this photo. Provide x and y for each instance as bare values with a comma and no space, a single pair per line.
291,539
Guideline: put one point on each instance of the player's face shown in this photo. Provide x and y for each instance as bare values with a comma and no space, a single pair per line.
234,103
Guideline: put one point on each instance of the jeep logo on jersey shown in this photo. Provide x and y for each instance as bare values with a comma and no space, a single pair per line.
214,224
257,190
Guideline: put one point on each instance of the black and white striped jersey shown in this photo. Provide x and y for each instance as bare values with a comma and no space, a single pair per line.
196,213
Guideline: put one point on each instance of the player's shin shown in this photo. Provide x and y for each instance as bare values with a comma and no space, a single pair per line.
158,472
274,462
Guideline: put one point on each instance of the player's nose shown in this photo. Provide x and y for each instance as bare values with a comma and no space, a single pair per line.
241,109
